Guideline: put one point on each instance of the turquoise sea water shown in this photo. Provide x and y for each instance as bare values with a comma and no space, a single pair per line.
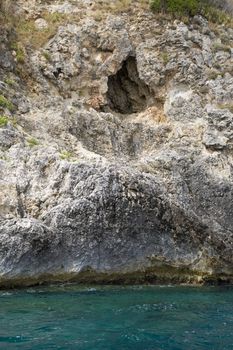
117,318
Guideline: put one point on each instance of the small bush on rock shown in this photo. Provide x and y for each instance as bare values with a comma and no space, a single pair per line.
228,106
32,142
3,121
4,103
66,155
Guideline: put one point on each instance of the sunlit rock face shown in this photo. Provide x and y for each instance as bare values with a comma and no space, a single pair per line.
115,147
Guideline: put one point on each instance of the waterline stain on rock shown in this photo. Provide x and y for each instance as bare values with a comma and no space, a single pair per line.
127,93
162,275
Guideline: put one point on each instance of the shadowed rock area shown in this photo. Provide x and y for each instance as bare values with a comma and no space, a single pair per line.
127,93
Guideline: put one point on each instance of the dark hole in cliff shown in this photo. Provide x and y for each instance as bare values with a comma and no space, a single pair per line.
57,72
127,93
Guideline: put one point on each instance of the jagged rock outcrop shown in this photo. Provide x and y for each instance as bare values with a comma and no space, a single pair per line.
116,156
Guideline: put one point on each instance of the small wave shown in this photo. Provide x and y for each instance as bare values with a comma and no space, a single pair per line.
4,294
152,307
31,290
140,308
14,339
91,290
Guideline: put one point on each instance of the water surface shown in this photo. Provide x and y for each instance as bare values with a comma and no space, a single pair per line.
117,318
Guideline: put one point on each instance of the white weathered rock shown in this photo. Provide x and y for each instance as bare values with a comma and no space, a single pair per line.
119,157
41,23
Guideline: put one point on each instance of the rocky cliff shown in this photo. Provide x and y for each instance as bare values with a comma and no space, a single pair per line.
116,141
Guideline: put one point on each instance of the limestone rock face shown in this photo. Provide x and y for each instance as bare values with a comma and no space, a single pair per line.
116,148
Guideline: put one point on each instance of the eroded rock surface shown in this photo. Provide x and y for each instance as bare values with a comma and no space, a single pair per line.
116,158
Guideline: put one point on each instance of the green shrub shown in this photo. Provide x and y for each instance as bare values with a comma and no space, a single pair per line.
47,55
4,103
19,50
32,142
9,82
156,5
228,106
180,7
65,155
14,121
190,8
165,57
213,74
221,47
3,120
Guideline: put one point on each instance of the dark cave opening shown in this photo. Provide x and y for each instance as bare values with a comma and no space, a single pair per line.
127,93
57,72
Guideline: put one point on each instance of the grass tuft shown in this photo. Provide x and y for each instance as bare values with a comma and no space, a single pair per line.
32,142
228,106
182,8
66,155
3,121
4,103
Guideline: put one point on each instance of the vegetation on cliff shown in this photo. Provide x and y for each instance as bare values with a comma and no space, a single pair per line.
214,11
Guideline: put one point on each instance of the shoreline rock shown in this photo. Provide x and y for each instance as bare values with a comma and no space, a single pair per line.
116,154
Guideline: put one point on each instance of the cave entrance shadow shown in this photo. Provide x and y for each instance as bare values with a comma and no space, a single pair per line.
127,93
